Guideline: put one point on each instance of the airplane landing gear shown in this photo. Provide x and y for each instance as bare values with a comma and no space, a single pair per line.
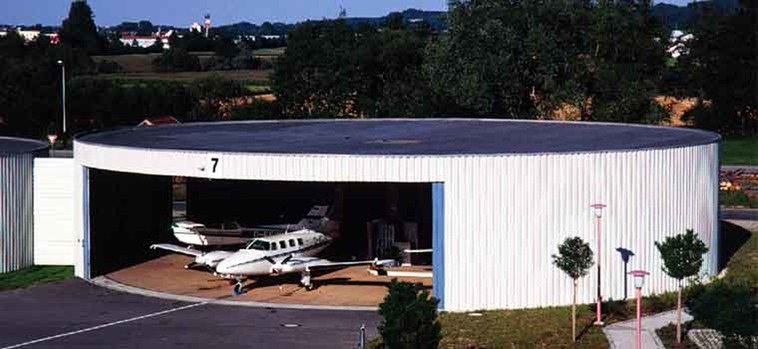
305,280
238,288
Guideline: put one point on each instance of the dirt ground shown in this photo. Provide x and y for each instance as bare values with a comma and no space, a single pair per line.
349,286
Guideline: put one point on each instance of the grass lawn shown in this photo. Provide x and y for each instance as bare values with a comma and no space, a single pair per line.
34,275
543,328
739,151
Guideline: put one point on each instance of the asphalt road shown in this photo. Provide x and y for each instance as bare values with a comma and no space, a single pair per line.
75,314
747,214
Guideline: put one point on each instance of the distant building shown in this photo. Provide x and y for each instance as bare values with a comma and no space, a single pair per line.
54,38
678,42
31,35
160,120
144,41
28,35
271,37
207,23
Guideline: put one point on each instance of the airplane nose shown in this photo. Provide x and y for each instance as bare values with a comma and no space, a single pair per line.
224,267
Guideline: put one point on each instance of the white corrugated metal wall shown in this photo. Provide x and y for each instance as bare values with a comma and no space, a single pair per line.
504,214
54,239
16,222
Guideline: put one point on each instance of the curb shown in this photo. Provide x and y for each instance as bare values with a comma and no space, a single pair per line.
106,282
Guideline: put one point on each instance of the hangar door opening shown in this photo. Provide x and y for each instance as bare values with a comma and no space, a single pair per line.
366,220
128,212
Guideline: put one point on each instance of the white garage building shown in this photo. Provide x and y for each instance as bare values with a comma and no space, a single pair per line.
504,193
16,202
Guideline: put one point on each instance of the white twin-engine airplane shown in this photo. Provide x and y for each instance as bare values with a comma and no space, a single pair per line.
270,256
231,233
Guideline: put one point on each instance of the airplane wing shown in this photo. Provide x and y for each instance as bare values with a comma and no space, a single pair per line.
313,263
425,250
177,249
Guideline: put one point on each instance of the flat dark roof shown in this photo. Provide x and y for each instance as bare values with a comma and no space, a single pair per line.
12,146
401,137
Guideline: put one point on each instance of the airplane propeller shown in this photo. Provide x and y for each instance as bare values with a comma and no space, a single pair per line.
277,267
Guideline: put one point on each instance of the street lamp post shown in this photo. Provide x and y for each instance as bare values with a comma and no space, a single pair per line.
63,98
625,255
598,216
639,281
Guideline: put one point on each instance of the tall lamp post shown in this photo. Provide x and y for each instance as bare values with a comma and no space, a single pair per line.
639,281
598,216
63,98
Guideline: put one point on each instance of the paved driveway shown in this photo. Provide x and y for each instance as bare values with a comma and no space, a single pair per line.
75,314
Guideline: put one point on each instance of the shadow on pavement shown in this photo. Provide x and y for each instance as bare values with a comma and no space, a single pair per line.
731,238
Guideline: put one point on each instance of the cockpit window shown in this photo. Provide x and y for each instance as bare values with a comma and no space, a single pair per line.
260,245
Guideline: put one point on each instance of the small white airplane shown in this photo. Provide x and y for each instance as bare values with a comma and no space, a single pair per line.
231,233
270,256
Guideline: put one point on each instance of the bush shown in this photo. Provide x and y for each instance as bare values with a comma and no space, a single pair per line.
730,310
258,110
410,317
176,60
736,198
108,67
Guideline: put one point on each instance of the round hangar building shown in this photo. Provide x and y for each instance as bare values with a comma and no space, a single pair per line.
16,202
492,199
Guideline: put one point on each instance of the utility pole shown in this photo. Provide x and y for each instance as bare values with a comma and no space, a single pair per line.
63,89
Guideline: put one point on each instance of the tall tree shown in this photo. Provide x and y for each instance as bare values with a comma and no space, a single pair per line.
331,69
79,30
682,258
531,59
723,69
575,259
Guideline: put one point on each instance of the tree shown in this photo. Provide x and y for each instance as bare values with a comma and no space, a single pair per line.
410,317
575,259
176,60
534,59
682,258
79,30
331,69
731,310
216,98
722,70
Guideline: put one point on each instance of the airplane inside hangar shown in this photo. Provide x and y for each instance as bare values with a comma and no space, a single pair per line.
364,221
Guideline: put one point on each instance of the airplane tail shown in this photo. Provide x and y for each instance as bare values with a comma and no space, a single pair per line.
318,211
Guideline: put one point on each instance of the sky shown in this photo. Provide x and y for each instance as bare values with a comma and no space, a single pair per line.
184,12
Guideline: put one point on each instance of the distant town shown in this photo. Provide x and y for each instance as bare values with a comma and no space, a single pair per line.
144,34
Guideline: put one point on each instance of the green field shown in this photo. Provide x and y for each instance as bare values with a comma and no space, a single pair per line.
269,52
140,67
236,75
258,89
143,63
34,275
739,151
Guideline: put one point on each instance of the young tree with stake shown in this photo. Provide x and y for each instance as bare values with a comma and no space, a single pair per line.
682,258
575,259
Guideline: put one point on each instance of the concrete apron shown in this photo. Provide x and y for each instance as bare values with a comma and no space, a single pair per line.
105,282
